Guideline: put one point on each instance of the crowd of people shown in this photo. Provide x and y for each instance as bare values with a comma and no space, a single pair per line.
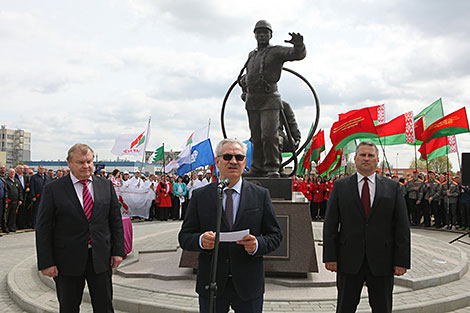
20,193
432,200
172,192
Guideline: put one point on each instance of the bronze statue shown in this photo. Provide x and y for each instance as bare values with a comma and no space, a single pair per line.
263,101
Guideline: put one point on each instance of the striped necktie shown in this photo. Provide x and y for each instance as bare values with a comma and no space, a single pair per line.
87,200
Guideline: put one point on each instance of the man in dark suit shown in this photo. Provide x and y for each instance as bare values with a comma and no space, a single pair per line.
38,181
366,234
79,234
24,179
240,272
13,200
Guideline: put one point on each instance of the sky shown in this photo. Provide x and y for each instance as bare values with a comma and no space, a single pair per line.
87,71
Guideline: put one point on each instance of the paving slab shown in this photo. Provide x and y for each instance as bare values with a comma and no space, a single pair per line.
131,295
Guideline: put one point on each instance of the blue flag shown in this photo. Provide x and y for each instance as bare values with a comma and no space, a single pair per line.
249,153
201,155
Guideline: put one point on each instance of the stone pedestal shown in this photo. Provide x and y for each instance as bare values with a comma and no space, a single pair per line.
279,188
296,253
295,256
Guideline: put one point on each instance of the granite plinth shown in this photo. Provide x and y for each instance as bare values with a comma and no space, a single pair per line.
279,188
296,255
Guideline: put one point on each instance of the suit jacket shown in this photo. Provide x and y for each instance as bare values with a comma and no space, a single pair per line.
62,229
256,213
383,239
13,190
37,184
26,179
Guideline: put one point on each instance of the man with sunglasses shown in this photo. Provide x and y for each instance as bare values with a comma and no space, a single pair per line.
240,270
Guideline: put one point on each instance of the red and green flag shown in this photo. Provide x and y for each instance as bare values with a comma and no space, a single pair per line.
356,126
377,113
315,148
398,131
331,162
426,117
340,169
438,147
138,141
451,124
302,165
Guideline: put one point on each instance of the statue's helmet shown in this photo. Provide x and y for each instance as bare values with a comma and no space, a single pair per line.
263,24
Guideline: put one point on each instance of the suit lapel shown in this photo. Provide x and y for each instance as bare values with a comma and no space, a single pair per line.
98,189
243,202
214,198
357,198
379,187
70,191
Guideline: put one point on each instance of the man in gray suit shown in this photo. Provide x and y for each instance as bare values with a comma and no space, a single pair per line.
366,234
79,234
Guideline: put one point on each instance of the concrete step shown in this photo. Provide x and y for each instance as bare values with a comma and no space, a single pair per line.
29,291
32,295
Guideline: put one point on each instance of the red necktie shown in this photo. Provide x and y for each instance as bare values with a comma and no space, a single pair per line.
229,207
365,197
87,203
87,200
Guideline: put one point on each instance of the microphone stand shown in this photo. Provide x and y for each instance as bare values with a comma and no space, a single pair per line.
215,255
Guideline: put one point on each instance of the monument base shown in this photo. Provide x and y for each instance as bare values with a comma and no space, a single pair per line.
279,188
295,256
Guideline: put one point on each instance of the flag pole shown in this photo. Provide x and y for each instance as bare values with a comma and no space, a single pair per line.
163,144
416,158
448,178
458,155
385,158
145,144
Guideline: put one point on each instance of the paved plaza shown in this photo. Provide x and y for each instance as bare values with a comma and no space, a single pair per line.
438,282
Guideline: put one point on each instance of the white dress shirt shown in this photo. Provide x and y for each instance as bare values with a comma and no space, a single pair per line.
79,187
372,185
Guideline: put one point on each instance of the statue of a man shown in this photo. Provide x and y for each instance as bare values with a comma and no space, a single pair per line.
263,101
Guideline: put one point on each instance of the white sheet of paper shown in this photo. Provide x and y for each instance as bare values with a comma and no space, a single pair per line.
233,235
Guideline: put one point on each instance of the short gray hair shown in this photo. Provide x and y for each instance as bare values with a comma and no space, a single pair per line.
368,143
220,145
83,148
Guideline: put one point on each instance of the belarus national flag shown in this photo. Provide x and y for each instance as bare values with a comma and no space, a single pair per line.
438,147
451,124
400,130
377,113
356,126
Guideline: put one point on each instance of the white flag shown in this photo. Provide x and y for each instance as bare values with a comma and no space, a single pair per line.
131,144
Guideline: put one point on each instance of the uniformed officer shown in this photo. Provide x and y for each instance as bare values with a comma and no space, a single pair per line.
450,193
414,190
431,192
13,199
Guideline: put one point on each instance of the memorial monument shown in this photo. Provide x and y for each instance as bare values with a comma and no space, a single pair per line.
274,130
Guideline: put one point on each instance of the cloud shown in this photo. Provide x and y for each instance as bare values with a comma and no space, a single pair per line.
90,72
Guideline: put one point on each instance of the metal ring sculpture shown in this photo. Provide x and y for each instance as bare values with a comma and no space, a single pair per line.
317,117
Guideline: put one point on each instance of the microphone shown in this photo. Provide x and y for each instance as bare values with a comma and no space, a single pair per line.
224,182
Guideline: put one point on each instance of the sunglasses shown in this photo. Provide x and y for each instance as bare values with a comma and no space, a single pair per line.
228,157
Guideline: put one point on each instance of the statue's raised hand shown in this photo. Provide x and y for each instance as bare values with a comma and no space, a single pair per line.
296,39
